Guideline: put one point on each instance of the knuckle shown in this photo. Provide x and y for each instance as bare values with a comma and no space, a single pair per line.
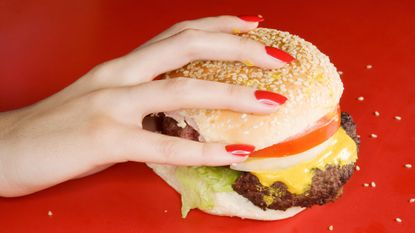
190,34
205,152
245,44
243,41
233,91
190,41
180,26
180,86
104,71
167,149
98,99
99,129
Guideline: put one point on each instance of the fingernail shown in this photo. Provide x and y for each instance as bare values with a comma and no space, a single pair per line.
279,54
240,149
252,18
270,98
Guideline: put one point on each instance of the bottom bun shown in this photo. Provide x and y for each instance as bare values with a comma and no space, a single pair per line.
228,203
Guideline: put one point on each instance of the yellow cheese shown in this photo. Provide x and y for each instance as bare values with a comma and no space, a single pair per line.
340,151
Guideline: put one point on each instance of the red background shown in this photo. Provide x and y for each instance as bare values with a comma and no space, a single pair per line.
46,45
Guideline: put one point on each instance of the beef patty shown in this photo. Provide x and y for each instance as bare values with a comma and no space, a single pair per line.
325,187
326,184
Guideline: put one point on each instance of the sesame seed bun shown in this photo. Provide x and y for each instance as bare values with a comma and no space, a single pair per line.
228,203
311,84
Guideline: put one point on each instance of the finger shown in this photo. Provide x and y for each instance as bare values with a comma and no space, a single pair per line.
224,23
182,93
144,146
190,45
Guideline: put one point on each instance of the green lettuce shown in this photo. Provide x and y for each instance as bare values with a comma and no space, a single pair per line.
199,184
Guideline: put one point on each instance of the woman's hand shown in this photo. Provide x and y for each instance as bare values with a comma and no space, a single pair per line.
97,121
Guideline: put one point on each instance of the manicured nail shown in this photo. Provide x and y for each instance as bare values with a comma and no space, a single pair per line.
279,54
240,149
270,98
252,18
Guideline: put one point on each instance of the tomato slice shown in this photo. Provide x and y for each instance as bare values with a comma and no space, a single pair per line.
324,129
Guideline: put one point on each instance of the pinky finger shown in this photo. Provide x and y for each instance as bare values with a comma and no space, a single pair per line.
145,146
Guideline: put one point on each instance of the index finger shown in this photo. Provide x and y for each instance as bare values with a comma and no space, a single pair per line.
223,23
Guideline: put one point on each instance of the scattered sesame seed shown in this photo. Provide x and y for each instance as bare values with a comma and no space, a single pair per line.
50,213
372,135
369,67
376,113
248,63
340,72
360,98
236,31
398,118
408,165
165,211
412,200
358,136
373,184
365,185
331,228
357,168
398,220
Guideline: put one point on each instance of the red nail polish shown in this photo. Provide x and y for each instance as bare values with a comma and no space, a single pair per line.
240,149
279,54
252,18
270,98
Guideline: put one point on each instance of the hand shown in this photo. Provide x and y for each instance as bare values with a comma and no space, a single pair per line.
97,121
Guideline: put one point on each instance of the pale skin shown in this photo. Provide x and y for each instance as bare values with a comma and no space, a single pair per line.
97,121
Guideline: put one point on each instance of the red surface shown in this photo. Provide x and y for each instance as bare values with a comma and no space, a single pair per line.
46,45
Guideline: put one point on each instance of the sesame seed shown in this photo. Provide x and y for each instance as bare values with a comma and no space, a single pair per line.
408,165
365,185
357,168
50,213
340,72
372,135
236,31
373,184
376,113
310,79
398,220
358,136
412,200
398,118
165,211
369,67
331,228
360,98
248,63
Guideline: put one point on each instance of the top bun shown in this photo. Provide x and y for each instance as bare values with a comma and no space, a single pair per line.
311,84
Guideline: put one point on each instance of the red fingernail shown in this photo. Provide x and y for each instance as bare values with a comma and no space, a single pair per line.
279,54
252,18
270,98
240,149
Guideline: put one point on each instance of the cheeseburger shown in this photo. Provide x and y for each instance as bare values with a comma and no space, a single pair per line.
305,152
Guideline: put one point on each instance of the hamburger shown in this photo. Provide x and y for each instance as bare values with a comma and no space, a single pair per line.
305,152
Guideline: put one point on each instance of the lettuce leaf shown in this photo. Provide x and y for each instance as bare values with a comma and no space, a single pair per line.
199,184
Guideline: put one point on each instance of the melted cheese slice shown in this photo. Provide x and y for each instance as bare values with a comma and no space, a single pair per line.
341,150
